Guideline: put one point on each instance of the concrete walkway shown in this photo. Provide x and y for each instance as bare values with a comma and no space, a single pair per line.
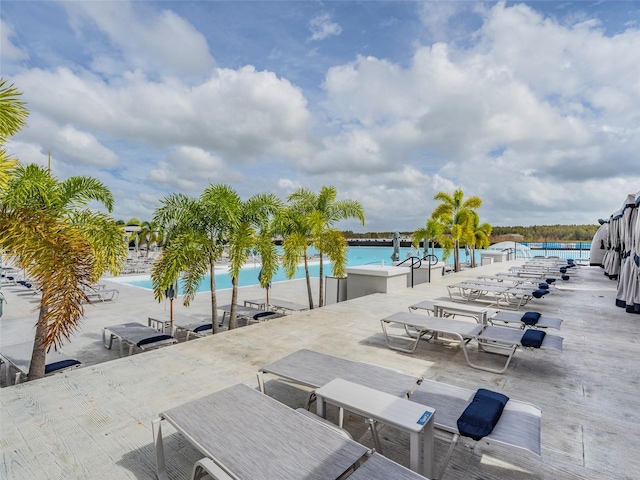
95,422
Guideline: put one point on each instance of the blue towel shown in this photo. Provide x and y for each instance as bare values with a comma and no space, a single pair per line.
55,366
532,338
540,293
482,414
157,338
530,318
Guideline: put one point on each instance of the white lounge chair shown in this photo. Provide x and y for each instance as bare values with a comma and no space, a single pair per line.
135,335
519,425
18,358
518,319
502,340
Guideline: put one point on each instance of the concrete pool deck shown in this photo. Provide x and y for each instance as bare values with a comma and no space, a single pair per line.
95,421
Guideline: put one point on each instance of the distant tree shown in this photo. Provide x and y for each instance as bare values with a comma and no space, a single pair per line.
432,230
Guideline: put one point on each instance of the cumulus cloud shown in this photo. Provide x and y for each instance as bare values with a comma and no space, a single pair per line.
146,39
323,27
190,169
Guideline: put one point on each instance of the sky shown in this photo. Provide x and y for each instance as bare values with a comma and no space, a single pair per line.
532,106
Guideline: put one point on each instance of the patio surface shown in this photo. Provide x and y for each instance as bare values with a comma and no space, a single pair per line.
95,421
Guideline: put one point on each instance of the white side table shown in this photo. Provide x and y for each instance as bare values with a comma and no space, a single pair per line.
382,407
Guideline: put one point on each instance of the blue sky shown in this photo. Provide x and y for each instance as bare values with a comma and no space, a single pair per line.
533,106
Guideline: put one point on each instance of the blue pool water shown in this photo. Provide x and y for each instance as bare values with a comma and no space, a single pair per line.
355,256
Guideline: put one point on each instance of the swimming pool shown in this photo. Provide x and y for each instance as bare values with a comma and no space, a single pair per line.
249,275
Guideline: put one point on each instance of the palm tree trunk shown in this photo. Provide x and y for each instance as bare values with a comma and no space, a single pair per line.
233,315
456,256
39,353
306,271
321,299
214,299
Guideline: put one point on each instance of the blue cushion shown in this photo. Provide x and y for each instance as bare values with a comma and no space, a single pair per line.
563,269
532,338
565,277
543,286
550,280
482,414
157,338
257,316
55,366
206,326
530,318
540,293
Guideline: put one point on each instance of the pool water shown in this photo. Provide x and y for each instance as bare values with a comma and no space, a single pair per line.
355,256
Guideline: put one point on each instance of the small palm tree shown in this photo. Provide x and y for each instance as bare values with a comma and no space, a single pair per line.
432,230
455,212
242,236
323,212
194,231
480,236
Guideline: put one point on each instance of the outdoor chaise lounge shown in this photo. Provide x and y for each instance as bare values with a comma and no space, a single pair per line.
277,305
504,296
502,340
314,370
249,314
102,295
18,358
188,324
135,335
248,435
525,320
518,426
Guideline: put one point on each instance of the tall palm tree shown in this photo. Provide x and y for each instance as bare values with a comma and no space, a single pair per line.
455,213
323,212
195,230
63,247
244,225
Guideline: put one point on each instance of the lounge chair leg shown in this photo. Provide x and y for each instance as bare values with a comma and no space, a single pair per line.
374,434
161,469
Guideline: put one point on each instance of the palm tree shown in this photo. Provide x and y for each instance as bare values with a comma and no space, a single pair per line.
455,213
480,236
148,234
323,212
242,236
63,247
194,230
432,230
13,116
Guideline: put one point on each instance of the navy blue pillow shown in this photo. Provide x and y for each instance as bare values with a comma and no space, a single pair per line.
565,277
530,318
201,328
540,293
563,269
52,367
482,414
543,286
550,280
157,338
532,338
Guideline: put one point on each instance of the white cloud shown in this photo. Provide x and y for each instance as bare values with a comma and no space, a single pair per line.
323,27
147,39
10,51
191,169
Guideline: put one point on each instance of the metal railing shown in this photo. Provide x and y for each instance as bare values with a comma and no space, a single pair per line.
416,262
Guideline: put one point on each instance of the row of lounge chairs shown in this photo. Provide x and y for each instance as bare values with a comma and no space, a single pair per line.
247,434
